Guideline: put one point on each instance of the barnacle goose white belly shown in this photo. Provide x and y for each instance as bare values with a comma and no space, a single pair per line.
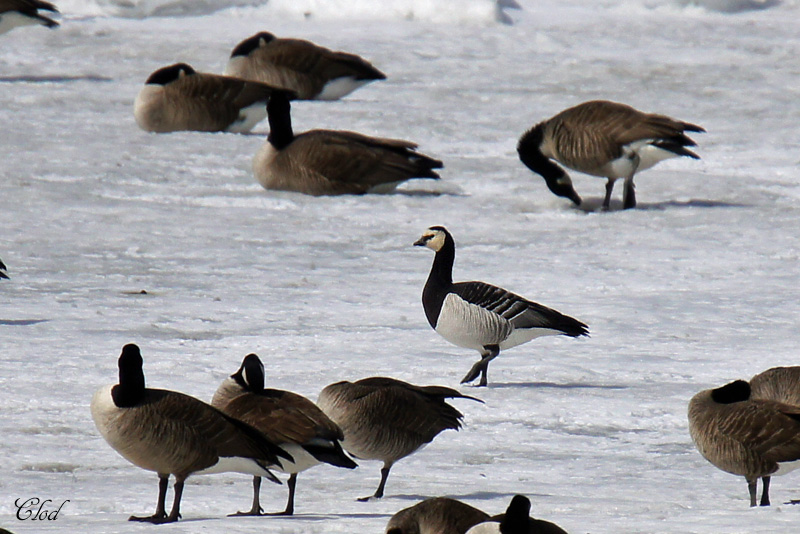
481,316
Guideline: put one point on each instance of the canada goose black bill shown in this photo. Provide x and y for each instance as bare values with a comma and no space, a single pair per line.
779,384
291,421
480,316
604,139
3,269
333,162
175,434
749,437
177,98
313,72
438,515
517,520
387,419
16,13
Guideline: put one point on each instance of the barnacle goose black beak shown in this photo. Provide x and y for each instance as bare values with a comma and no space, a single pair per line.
421,241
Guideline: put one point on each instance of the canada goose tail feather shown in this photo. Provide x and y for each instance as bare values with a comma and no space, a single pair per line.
330,455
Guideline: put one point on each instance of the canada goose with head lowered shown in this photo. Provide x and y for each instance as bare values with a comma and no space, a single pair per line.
480,316
745,436
779,384
387,419
438,515
178,98
16,13
333,162
516,520
313,72
291,421
604,139
175,434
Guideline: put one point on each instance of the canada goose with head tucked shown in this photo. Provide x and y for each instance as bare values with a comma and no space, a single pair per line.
479,316
745,436
779,384
604,139
175,434
516,520
178,98
313,72
291,421
3,269
387,419
438,515
333,162
16,13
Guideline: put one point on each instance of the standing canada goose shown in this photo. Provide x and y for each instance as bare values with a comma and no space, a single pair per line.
16,13
313,72
439,515
745,436
604,139
291,421
3,270
779,384
517,520
479,316
387,419
177,98
333,162
172,433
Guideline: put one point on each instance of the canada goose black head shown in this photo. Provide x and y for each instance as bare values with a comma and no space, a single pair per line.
250,375
131,388
252,43
738,391
169,74
516,518
556,178
434,238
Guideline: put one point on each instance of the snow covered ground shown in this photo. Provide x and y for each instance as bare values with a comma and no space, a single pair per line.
696,287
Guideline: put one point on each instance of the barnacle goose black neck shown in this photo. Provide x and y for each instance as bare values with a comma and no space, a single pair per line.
480,316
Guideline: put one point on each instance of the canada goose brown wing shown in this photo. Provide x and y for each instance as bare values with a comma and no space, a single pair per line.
769,428
780,384
234,92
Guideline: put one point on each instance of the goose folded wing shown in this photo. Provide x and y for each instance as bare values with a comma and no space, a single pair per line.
769,428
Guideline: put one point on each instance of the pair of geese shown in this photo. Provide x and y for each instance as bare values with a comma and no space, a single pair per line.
16,13
599,138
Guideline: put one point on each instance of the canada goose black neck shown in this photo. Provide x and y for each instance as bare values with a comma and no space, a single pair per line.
131,388
440,279
737,391
530,153
280,120
248,45
516,518
169,74
250,375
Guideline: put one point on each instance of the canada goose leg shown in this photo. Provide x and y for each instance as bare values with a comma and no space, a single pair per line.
765,491
161,513
481,367
292,483
256,508
629,194
752,488
609,190
379,492
175,513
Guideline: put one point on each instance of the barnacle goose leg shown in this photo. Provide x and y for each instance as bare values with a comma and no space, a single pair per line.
609,190
256,508
765,491
481,367
161,513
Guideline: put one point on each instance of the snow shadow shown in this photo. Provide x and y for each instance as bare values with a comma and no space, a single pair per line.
553,385
55,78
594,205
21,322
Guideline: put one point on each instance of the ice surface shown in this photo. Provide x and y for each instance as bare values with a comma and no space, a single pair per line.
696,287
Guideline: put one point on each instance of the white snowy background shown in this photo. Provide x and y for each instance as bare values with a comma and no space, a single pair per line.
696,287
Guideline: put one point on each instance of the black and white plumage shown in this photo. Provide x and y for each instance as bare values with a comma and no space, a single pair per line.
516,520
742,435
3,269
437,515
287,419
312,71
604,139
387,419
480,316
16,13
175,434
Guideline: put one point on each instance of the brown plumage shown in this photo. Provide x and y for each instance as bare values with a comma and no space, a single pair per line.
328,162
605,139
15,13
177,98
744,436
290,420
312,71
438,515
780,384
387,419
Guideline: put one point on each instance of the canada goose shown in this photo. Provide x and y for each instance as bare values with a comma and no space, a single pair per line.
745,436
333,162
604,139
16,13
172,433
387,419
779,384
3,269
479,316
516,520
313,72
177,98
439,515
291,421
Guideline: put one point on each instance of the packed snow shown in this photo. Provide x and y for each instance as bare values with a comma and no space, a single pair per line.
112,235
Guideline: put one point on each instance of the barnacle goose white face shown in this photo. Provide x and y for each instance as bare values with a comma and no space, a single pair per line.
433,238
